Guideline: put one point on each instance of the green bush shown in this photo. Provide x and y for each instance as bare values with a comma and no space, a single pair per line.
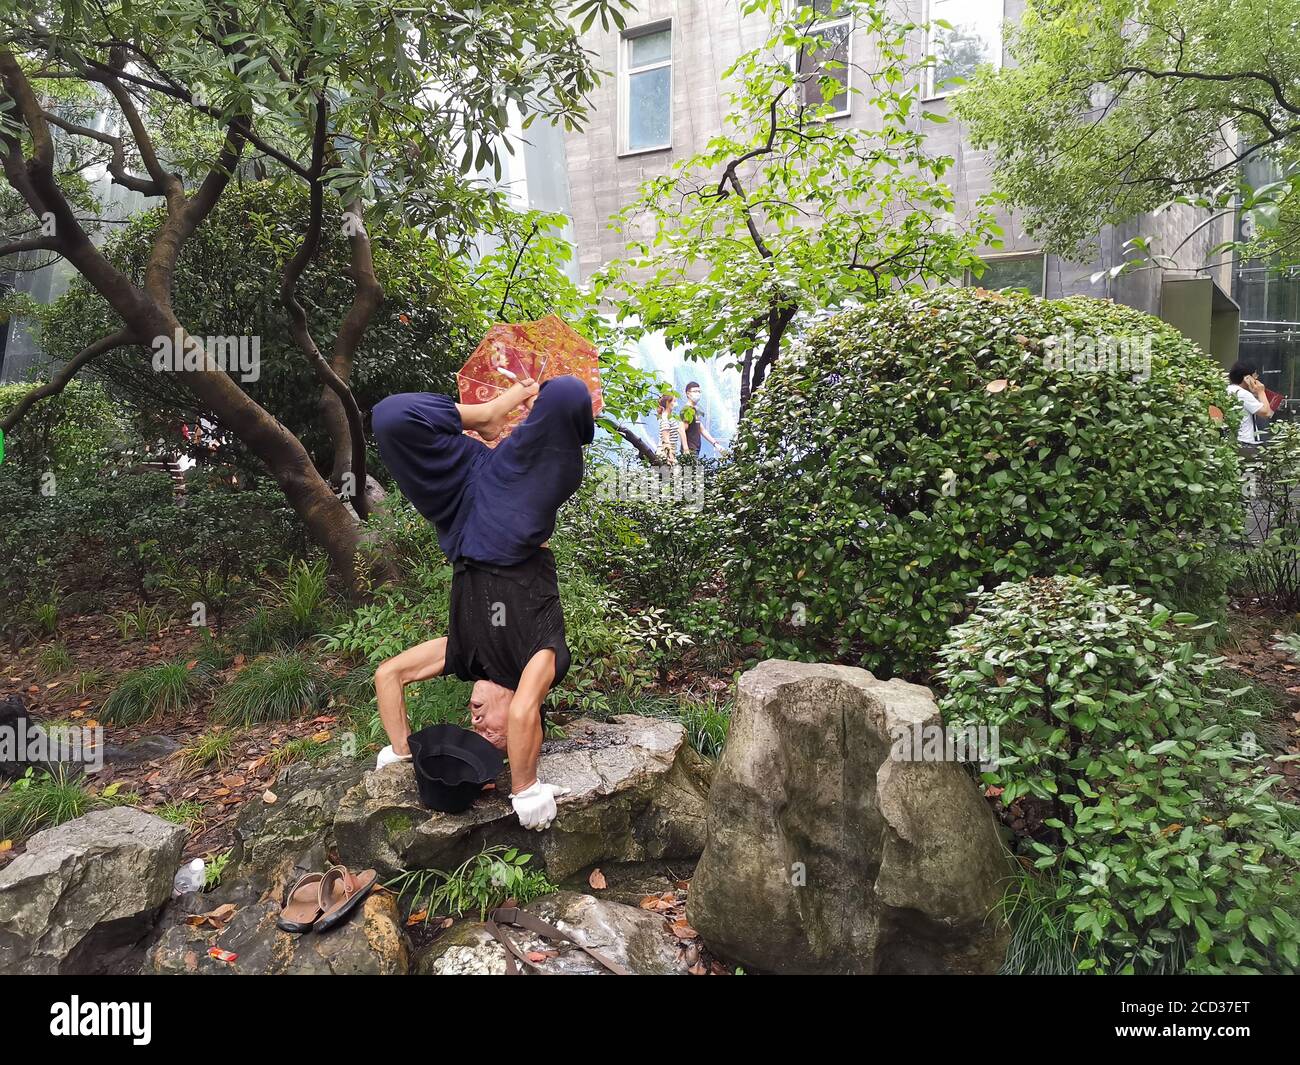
126,530
398,617
1269,567
74,537
68,435
919,448
643,530
1168,845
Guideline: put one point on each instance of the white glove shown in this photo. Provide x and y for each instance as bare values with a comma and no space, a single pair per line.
388,757
535,805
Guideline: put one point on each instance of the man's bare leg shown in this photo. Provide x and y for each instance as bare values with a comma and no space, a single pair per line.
424,661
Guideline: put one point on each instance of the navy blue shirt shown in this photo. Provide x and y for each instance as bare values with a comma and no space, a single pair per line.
494,505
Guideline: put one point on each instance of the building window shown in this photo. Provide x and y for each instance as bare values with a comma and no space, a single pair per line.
835,28
974,40
1012,271
647,89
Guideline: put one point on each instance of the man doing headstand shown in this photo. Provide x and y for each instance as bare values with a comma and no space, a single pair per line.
494,510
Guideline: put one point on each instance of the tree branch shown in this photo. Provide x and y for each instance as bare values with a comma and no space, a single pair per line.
67,372
298,326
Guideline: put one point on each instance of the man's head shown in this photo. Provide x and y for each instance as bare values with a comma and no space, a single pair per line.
693,393
489,709
1240,371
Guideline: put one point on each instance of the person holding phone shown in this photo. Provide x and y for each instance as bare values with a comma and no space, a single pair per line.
1245,386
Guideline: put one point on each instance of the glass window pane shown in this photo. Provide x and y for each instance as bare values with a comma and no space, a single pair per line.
822,7
975,38
810,63
648,108
649,48
1024,273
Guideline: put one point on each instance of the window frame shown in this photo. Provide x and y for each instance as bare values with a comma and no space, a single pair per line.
969,280
625,72
822,23
929,92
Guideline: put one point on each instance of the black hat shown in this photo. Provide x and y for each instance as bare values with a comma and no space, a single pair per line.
451,766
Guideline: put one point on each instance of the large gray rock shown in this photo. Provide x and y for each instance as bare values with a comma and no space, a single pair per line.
627,935
86,891
371,943
826,856
638,793
276,841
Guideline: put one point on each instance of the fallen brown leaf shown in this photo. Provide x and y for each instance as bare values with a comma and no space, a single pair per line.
597,880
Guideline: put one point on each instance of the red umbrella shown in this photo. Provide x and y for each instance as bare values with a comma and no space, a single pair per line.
544,349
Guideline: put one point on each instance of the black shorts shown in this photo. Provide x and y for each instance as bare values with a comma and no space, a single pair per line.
503,615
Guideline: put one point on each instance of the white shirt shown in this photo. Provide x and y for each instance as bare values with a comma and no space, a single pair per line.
1246,431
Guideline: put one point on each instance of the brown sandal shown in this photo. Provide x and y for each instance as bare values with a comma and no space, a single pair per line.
301,908
341,892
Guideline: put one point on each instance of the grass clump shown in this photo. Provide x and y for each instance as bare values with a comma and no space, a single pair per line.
211,749
148,693
277,686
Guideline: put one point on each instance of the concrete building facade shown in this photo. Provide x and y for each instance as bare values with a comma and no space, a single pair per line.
607,164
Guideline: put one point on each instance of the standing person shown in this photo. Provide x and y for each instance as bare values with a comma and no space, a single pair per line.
494,511
672,437
1247,389
693,419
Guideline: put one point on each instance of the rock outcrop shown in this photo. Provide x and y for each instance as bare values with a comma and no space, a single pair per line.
84,893
824,854
370,943
634,938
638,792
274,843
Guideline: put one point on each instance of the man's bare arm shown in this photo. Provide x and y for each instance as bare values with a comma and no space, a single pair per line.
421,662
524,733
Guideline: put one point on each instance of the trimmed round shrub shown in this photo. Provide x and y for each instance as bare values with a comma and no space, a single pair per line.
1159,843
912,451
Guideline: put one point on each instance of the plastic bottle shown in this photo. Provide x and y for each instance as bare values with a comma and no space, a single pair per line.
189,877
